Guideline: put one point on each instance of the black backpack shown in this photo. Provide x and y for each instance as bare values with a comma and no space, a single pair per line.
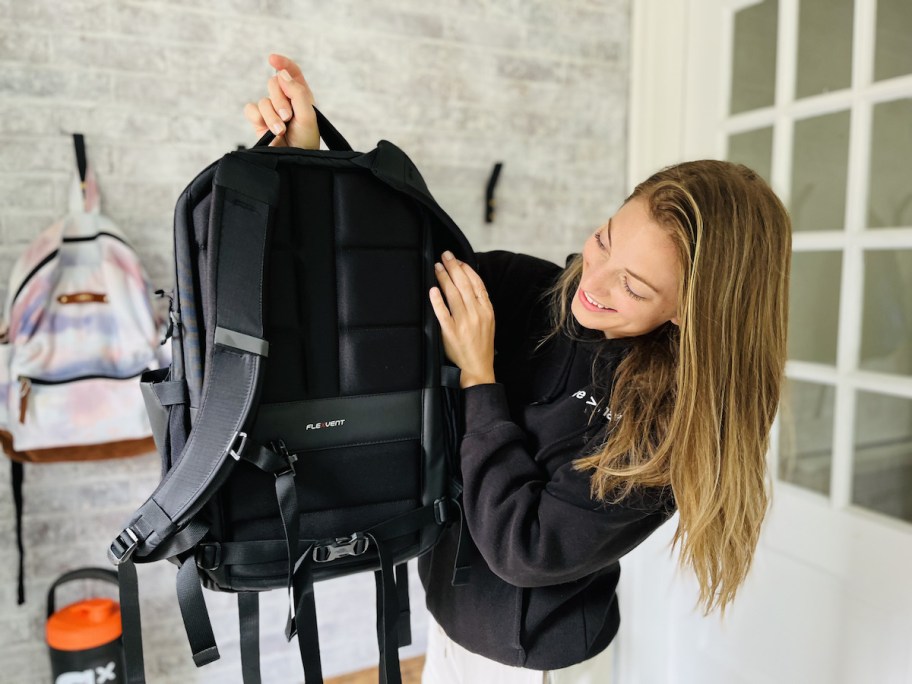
308,425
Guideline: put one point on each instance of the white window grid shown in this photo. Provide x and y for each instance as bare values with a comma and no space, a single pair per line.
859,99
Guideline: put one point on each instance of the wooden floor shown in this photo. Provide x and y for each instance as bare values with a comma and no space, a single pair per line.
411,674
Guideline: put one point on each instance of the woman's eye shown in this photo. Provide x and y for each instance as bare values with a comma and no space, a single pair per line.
598,240
631,292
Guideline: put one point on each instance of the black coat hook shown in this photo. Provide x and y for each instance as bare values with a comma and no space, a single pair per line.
489,193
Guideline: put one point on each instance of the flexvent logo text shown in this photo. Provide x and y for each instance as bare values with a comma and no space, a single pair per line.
326,424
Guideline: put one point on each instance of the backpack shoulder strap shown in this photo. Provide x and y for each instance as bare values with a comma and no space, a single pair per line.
245,194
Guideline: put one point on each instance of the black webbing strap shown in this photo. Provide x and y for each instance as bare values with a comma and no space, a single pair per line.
171,392
405,607
130,620
129,596
195,614
277,461
387,616
304,622
249,625
17,477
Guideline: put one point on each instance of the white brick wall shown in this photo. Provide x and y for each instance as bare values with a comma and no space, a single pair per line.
157,87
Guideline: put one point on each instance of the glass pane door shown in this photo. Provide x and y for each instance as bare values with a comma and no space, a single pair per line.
820,104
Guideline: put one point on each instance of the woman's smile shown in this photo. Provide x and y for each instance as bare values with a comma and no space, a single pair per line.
592,304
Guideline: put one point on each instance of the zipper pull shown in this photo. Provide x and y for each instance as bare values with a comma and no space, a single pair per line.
25,387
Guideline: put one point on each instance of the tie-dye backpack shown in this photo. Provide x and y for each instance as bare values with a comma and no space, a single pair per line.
79,328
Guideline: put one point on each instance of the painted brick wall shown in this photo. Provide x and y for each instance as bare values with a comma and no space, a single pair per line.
157,87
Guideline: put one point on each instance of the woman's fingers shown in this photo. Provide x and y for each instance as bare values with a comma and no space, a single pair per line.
471,290
450,290
279,62
303,130
270,116
440,308
252,114
478,286
280,102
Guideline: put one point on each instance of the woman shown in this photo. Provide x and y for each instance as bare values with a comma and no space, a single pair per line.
640,380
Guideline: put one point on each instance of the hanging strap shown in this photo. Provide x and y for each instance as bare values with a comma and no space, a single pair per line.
195,614
17,477
392,586
304,621
131,619
387,616
405,608
131,623
249,625
279,462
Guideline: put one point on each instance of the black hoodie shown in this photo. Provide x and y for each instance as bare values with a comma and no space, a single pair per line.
545,566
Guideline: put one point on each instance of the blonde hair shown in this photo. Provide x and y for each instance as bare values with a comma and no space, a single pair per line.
698,400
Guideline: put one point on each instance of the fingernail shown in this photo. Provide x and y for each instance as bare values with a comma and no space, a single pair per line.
448,255
438,266
278,129
284,74
285,114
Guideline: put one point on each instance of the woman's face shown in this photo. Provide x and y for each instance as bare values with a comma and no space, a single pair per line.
629,284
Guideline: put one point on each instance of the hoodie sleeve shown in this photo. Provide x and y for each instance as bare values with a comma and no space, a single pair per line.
533,530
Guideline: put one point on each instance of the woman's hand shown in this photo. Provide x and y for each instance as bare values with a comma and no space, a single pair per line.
467,323
288,111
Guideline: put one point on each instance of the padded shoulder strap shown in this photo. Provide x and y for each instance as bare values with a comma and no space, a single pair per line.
245,194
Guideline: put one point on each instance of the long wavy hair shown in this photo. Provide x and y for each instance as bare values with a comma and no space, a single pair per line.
698,400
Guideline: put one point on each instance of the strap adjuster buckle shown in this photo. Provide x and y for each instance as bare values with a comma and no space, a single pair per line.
340,547
208,556
278,446
123,546
235,449
441,511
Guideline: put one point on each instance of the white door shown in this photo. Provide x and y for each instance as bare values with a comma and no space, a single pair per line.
816,95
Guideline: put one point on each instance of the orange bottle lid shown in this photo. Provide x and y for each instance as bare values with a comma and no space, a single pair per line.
87,624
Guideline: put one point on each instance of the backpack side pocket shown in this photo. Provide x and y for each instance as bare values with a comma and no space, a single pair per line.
161,395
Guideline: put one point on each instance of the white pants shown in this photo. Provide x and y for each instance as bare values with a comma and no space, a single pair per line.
447,662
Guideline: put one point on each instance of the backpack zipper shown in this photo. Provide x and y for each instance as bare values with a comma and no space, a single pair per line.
50,257
25,386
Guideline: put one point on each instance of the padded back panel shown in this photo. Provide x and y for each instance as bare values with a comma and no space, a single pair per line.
345,318
346,293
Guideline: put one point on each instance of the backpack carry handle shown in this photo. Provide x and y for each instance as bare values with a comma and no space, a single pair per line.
102,574
333,139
